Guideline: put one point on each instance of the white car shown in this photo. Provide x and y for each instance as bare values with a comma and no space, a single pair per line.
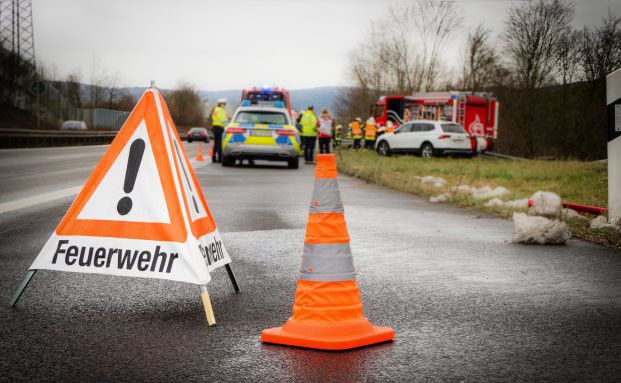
427,138
73,125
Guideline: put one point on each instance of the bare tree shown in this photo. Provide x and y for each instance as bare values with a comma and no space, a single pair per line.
96,84
73,84
110,88
186,106
434,20
567,52
481,63
532,34
400,54
601,48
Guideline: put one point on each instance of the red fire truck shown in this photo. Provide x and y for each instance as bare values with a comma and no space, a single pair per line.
477,113
267,95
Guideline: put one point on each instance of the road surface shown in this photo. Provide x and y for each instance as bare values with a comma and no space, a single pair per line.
465,303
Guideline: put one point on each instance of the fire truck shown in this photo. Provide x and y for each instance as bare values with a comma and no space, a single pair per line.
267,96
476,112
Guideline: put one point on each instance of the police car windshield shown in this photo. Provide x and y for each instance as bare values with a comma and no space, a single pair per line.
261,117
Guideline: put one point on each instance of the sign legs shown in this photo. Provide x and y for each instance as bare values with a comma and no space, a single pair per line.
229,271
22,287
211,319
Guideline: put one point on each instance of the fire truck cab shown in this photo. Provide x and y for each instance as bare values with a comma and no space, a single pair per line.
477,113
267,96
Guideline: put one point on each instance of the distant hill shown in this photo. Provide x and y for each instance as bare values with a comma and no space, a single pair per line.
300,98
319,97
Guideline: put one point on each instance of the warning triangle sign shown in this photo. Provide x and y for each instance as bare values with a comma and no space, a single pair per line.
142,212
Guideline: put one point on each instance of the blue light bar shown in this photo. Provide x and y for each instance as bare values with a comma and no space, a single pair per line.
246,103
279,104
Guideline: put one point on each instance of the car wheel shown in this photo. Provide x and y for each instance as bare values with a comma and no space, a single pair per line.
383,149
189,141
426,150
293,163
227,161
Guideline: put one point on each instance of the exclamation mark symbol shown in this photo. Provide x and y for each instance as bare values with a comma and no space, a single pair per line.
136,150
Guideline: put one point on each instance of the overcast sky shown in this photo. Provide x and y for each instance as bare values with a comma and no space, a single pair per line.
230,44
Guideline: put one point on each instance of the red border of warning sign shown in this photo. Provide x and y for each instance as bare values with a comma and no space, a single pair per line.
174,231
203,225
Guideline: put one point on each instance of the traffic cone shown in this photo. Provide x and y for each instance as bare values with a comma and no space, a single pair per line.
327,312
200,157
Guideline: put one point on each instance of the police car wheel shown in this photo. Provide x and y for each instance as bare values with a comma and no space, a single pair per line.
293,163
227,161
384,149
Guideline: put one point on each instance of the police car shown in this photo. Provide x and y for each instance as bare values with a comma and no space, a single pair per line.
261,133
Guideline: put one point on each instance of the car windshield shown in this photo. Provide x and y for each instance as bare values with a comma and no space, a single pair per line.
261,117
452,128
197,130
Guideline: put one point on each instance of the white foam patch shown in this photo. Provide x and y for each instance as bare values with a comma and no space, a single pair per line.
539,230
546,204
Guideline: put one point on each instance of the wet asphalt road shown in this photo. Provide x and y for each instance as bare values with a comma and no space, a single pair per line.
466,305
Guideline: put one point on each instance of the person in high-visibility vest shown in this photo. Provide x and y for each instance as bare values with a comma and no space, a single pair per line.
337,135
309,133
370,132
356,132
325,131
390,127
219,120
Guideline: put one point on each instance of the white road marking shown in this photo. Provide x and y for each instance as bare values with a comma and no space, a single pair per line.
52,148
38,199
6,207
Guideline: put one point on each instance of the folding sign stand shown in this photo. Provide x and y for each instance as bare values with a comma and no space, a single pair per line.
141,213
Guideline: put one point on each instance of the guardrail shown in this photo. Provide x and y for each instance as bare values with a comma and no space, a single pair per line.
503,156
25,138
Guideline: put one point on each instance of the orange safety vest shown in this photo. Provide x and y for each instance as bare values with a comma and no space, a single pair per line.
355,129
370,131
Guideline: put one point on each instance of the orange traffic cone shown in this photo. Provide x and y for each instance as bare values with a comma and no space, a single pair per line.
327,312
200,157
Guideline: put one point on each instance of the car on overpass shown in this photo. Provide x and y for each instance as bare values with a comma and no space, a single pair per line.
426,138
73,125
261,133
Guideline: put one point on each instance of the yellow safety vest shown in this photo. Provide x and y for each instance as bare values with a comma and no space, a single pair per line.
219,116
337,134
309,124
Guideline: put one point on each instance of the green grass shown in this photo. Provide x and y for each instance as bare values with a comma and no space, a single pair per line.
578,182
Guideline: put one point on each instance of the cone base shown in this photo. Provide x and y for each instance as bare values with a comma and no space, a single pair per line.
328,336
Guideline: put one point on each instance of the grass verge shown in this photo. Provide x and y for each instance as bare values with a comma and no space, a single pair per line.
578,182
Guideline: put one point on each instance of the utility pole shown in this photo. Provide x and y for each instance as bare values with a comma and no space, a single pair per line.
17,39
16,32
